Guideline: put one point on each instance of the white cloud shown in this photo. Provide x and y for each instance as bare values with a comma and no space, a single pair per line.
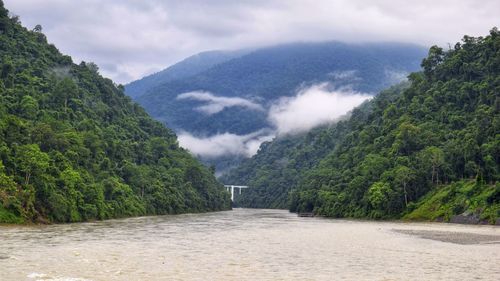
216,104
312,107
224,144
129,38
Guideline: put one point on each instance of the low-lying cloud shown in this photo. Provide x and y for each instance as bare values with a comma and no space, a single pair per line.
224,144
312,107
216,104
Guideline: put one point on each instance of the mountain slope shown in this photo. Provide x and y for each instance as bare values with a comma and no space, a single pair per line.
265,75
417,150
186,68
73,147
279,165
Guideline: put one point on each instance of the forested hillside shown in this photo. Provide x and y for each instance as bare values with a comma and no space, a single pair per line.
430,152
73,147
186,68
280,165
267,74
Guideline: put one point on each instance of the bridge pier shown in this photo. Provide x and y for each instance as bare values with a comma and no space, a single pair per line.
230,188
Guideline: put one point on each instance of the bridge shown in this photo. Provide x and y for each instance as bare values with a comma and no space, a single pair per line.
232,187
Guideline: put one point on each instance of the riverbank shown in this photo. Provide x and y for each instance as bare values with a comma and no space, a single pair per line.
465,202
7,218
461,202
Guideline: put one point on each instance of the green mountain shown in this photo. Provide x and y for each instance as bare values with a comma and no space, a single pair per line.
73,147
188,67
426,150
265,75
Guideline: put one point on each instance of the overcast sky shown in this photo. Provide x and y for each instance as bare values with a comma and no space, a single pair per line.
131,38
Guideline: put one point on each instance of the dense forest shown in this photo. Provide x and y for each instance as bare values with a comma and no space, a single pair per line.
280,164
426,150
267,74
73,147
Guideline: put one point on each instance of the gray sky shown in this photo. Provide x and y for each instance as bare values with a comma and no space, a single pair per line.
131,38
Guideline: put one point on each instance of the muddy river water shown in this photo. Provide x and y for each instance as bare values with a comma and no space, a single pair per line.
249,244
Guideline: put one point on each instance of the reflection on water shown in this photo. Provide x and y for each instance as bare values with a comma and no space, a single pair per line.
247,244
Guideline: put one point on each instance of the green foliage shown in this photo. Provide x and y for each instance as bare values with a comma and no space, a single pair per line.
405,143
30,160
8,217
463,197
73,147
404,177
280,165
10,205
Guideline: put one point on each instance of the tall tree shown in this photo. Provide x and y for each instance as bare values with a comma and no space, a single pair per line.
403,176
31,161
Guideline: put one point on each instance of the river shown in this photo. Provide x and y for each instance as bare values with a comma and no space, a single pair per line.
248,244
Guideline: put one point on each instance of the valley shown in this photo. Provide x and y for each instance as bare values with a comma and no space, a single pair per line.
247,97
249,140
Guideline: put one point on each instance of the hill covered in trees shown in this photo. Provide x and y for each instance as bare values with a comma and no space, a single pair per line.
427,150
188,67
236,95
73,147
264,75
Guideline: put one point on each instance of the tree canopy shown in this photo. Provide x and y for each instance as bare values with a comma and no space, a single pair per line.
393,153
73,147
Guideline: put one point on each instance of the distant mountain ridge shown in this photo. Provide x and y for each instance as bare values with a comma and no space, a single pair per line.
266,74
231,97
183,69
